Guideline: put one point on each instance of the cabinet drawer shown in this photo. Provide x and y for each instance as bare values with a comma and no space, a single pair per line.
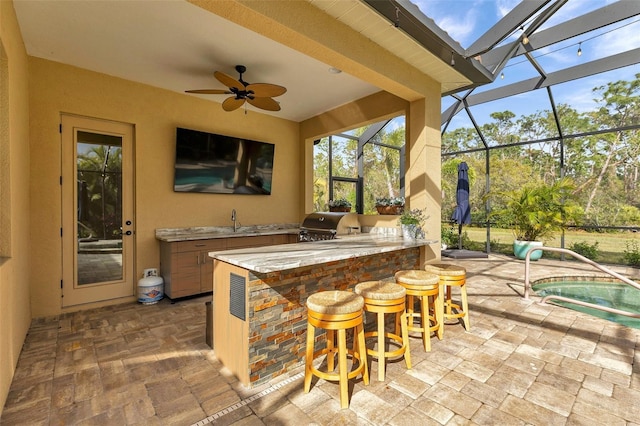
256,241
200,245
279,239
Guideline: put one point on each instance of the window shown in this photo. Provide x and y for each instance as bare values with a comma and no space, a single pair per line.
360,165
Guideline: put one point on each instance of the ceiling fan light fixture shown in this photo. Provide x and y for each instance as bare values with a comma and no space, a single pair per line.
258,94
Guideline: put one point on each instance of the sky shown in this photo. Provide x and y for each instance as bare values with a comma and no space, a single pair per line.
466,20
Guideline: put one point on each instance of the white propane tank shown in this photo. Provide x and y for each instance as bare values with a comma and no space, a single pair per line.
150,287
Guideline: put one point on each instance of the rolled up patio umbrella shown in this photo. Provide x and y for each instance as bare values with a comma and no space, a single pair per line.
462,213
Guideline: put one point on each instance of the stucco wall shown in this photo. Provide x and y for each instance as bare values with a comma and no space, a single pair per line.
155,113
15,315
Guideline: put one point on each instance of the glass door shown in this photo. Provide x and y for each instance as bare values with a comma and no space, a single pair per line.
97,229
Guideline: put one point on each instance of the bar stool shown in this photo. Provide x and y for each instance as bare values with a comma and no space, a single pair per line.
452,276
336,310
423,285
382,297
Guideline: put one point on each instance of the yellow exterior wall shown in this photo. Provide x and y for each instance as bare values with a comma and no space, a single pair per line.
155,113
15,314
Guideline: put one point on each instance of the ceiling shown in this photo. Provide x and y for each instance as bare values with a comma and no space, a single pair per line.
176,45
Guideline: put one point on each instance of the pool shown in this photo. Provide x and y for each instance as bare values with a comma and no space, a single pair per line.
602,291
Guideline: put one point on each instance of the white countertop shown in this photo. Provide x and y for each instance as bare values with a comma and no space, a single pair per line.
289,256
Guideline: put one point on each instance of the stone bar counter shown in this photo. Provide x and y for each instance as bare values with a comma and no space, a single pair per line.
259,294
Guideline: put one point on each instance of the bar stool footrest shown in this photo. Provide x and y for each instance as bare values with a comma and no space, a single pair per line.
393,338
335,377
433,323
449,306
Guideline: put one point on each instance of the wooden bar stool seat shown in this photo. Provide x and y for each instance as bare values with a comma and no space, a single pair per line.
424,286
452,276
336,311
382,298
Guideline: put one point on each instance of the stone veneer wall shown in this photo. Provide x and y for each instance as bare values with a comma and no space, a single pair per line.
278,314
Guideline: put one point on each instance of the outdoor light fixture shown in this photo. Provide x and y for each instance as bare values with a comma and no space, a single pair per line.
525,39
502,76
453,61
580,49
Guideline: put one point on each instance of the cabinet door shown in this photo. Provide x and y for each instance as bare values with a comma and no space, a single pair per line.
186,278
206,272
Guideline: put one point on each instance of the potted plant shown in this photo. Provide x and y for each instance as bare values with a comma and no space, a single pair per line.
411,223
536,212
390,205
339,205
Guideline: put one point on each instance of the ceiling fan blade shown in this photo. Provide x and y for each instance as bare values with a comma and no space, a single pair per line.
210,91
232,103
264,103
228,81
266,90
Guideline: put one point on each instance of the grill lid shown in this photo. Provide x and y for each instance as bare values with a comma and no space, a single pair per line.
323,220
339,223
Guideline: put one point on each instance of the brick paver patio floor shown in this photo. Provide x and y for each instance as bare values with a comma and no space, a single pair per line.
521,363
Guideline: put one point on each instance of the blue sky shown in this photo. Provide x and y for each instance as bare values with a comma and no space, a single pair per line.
467,20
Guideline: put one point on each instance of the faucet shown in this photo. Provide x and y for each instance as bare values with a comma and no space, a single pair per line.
234,218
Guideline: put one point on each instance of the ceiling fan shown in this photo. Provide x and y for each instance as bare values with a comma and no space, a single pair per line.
257,94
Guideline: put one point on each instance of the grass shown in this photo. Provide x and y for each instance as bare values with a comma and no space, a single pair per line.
611,246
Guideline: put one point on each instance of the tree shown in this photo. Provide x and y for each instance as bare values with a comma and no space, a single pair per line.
100,176
621,108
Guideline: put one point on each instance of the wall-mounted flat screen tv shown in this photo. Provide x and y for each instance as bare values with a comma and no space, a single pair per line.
212,163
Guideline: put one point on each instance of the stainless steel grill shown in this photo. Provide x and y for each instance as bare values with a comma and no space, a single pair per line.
326,226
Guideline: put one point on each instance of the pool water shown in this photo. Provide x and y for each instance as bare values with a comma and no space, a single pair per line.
598,291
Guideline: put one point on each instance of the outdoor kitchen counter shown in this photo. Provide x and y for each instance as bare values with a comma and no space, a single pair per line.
259,313
282,257
171,235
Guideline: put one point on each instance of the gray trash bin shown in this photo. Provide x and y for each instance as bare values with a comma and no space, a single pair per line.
209,326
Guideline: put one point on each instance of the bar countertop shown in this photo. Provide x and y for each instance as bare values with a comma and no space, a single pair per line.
289,256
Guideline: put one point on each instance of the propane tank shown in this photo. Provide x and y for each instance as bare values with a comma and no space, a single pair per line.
150,287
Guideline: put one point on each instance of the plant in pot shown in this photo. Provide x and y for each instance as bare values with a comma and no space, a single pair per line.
536,212
411,223
339,205
390,205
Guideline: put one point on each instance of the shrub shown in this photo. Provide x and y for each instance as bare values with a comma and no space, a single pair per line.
632,254
590,251
448,236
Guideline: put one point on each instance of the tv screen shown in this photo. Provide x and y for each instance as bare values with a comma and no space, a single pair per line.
207,162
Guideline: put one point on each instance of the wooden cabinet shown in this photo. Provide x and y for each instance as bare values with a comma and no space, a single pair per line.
187,269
